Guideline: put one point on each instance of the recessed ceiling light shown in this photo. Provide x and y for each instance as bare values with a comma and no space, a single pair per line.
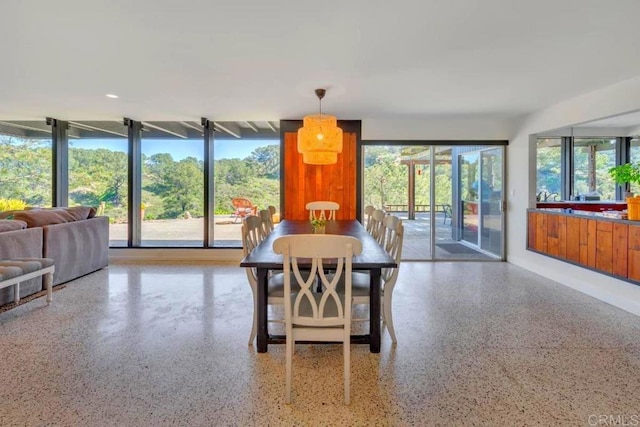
110,95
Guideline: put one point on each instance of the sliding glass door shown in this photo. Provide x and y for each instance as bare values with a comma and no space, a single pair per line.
481,205
449,197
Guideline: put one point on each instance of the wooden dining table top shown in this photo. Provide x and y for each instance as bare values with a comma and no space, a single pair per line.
372,256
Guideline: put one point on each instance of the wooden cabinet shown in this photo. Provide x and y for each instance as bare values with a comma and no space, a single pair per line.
601,244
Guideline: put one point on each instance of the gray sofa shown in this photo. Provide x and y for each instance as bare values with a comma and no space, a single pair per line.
78,247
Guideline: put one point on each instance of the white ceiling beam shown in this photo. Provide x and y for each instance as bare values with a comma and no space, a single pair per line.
165,130
192,126
252,126
95,128
27,127
271,126
230,128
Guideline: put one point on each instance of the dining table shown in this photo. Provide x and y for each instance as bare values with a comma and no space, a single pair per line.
372,259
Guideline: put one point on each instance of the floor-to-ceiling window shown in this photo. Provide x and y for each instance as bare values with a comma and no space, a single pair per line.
243,169
172,203
25,165
98,175
164,163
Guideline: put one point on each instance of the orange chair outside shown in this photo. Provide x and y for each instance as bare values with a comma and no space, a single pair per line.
243,207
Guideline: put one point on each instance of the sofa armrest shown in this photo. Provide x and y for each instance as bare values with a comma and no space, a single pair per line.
78,247
21,243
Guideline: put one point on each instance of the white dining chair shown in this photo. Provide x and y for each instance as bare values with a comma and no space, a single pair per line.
252,236
377,225
266,220
322,210
368,212
311,316
393,232
272,209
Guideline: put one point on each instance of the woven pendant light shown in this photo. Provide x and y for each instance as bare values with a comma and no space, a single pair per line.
320,138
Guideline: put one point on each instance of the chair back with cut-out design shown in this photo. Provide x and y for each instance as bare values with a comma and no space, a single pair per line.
322,210
311,316
306,307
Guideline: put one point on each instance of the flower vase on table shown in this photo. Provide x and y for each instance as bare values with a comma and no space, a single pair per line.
318,226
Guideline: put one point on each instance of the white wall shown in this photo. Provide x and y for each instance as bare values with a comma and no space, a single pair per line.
436,128
586,131
617,99
633,131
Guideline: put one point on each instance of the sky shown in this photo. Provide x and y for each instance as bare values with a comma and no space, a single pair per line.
179,148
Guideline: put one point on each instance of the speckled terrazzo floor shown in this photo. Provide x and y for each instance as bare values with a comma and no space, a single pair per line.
479,344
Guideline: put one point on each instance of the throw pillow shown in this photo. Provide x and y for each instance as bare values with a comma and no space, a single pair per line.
7,214
79,212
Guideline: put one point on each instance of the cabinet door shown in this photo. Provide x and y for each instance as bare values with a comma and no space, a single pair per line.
573,239
620,249
634,253
604,246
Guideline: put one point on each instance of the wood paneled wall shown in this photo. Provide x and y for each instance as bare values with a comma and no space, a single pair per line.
602,245
306,183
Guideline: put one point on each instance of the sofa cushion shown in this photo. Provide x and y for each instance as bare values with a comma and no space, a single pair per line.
10,272
38,218
28,265
50,216
10,225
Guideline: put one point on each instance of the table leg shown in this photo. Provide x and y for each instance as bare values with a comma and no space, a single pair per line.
374,307
263,333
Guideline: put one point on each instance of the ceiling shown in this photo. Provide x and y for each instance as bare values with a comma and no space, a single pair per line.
260,61
619,121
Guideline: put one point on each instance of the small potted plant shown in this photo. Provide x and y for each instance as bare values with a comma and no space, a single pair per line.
318,225
626,175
